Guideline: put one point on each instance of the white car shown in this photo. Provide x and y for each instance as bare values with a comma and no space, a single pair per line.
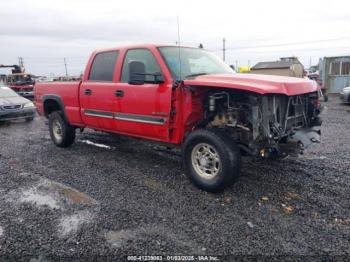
345,95
14,106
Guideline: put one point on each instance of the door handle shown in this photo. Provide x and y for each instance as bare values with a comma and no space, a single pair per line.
87,92
119,93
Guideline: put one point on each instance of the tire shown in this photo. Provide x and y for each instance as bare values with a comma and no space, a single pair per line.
61,133
206,171
29,119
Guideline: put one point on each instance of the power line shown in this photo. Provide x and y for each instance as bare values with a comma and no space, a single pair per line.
285,44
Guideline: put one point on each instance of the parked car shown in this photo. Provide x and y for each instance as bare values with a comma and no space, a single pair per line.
14,106
345,95
186,97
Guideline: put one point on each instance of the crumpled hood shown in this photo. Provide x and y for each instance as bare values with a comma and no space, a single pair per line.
262,84
13,100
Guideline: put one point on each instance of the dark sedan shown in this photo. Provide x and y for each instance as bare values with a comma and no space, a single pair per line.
13,106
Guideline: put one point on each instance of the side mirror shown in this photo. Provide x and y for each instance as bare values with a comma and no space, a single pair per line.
137,73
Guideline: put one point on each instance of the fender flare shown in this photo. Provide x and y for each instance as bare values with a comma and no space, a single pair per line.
57,99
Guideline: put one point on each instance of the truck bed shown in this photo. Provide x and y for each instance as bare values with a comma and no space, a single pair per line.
64,91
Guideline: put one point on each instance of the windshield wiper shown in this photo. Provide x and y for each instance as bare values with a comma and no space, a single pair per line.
197,74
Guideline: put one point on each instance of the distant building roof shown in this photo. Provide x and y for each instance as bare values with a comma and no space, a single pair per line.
285,62
272,65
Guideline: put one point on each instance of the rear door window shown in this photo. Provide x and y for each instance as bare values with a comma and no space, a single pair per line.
102,68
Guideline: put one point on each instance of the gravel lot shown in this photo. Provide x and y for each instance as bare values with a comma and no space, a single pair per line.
110,197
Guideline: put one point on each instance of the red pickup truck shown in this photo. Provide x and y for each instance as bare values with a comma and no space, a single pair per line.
187,97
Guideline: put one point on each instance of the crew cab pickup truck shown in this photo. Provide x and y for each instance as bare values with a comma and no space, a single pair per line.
185,97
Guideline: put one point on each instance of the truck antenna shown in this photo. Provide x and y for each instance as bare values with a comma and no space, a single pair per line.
179,44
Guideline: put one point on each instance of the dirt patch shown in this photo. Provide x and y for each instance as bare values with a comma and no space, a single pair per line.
293,195
72,194
153,184
47,193
117,238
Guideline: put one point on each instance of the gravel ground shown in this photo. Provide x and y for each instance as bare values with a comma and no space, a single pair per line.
108,197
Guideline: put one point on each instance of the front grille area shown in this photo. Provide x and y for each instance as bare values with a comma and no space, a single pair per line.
25,90
12,107
16,115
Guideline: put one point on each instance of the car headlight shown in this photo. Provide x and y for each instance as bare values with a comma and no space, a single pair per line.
28,105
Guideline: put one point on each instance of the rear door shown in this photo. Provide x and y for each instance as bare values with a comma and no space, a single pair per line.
143,110
97,93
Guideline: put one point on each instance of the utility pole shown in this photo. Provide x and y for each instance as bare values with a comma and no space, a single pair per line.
223,48
65,66
310,62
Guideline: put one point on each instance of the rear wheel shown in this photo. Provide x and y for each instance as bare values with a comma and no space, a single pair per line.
61,133
212,159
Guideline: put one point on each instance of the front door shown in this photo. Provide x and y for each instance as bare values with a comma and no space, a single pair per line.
143,110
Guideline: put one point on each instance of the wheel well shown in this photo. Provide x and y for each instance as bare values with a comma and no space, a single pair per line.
51,105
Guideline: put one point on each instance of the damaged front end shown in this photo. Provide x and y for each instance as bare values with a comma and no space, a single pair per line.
267,125
291,124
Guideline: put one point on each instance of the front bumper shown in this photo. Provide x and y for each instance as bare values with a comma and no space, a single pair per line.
344,97
7,115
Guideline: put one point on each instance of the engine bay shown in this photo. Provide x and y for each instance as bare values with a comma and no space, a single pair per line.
265,125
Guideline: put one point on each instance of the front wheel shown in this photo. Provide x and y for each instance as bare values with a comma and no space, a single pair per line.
325,97
29,119
212,159
61,133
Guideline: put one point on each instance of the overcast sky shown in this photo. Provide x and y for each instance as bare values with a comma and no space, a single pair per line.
44,32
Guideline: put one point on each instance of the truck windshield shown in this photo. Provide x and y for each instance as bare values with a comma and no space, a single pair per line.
194,62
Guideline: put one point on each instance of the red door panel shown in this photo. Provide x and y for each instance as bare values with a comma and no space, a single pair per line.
98,102
144,110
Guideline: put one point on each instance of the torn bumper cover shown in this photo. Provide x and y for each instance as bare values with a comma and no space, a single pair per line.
300,140
307,136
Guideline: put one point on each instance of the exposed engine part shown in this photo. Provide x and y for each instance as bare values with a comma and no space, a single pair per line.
224,119
225,113
211,103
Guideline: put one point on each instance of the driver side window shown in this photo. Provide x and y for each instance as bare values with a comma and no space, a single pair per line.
143,55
